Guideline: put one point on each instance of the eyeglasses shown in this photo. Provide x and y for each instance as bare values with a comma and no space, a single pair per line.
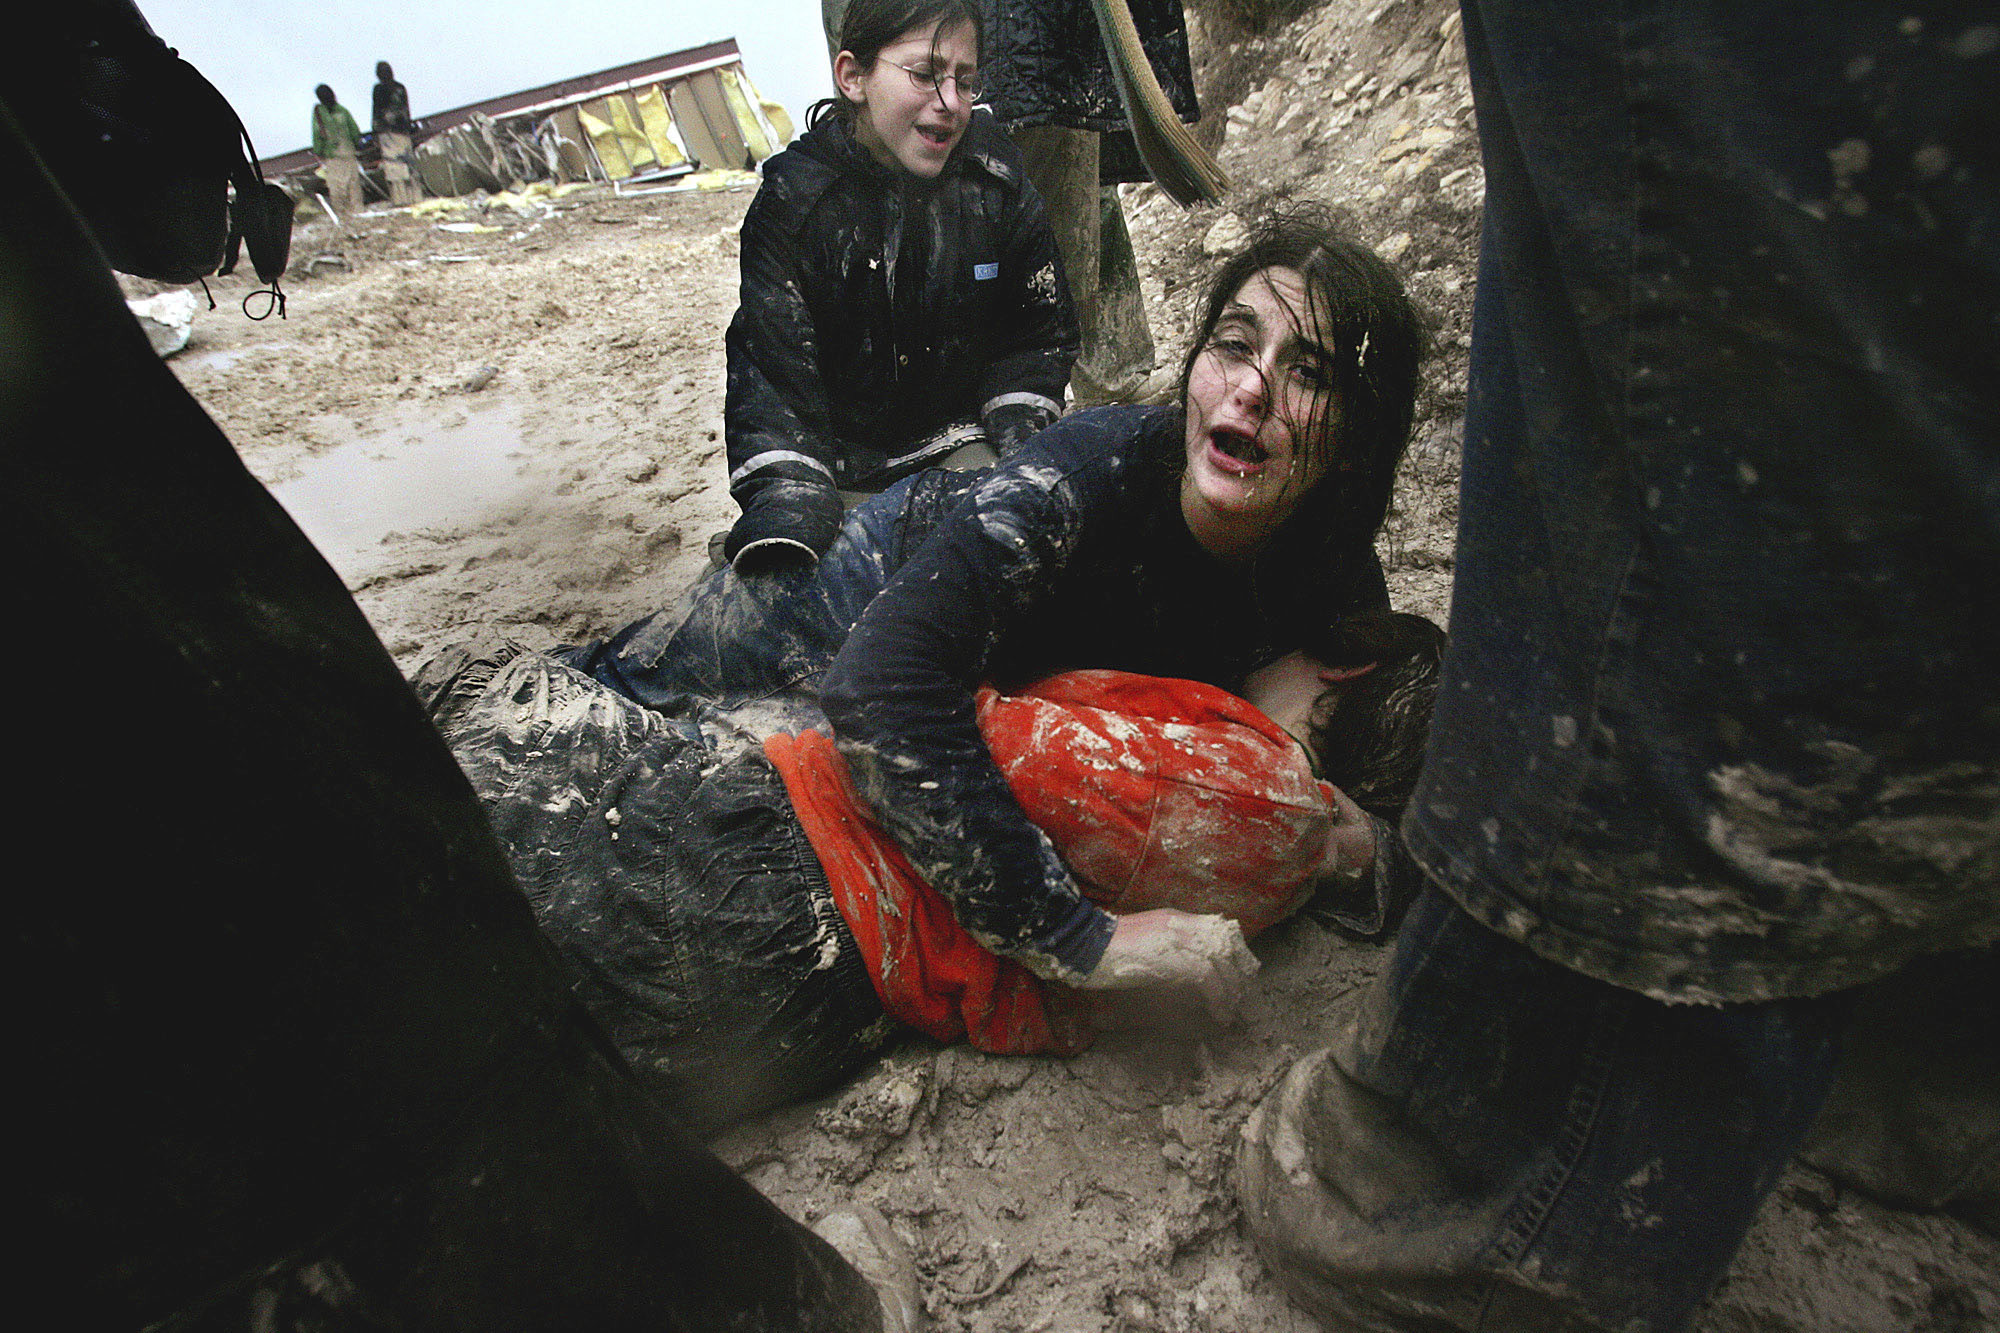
930,81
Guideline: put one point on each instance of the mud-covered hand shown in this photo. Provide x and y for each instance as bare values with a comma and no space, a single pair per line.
1165,948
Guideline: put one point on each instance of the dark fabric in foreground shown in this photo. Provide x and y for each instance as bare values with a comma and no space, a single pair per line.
280,995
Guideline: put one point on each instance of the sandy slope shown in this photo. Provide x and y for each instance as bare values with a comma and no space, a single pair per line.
521,425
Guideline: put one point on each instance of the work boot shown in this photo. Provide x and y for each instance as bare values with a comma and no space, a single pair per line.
867,1241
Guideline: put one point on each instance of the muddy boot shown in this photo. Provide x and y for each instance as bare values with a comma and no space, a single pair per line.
1319,1237
1914,1115
871,1246
1115,364
1493,1142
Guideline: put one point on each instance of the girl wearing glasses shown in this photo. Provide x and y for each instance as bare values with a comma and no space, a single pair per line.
901,294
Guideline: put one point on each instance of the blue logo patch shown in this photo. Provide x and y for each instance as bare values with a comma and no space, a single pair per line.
985,272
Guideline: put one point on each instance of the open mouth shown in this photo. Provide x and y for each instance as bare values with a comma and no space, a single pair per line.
936,137
1239,449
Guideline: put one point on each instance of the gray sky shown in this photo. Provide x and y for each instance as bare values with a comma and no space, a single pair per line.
267,55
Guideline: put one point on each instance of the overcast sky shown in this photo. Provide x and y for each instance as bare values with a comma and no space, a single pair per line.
267,55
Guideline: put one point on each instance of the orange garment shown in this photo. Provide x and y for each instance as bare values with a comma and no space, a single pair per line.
1157,792
1163,793
927,969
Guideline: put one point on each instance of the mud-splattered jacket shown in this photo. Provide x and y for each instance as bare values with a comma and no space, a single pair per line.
1073,555
1161,793
879,312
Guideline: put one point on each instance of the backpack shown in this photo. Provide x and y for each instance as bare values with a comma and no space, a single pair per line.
148,150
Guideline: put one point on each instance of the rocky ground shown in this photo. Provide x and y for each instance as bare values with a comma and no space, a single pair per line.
512,415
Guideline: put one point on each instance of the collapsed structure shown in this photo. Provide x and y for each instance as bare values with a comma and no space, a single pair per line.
638,122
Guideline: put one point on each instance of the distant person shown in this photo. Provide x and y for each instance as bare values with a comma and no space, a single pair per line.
903,302
337,145
393,131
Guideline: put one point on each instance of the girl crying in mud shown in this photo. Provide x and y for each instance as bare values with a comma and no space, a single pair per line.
1198,542
903,306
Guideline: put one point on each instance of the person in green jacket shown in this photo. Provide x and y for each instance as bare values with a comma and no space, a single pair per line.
337,145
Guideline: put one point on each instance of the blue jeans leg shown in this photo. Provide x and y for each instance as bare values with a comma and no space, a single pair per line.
732,640
1496,1142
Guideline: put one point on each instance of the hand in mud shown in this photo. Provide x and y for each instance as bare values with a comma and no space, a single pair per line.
1350,843
1165,948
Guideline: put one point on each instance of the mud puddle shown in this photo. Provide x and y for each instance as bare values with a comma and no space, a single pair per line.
418,470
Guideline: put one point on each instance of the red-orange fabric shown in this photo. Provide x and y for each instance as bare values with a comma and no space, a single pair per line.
928,971
1163,793
1158,793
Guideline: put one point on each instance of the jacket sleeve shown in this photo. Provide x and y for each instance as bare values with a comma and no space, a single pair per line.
900,698
780,448
1023,387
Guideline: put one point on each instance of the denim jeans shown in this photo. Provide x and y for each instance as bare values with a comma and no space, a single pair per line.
1717,721
733,640
1497,1142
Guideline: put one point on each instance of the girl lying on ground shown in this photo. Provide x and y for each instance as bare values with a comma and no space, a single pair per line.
750,936
901,299
1197,541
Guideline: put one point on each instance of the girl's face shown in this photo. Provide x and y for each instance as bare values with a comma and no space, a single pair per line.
901,124
1262,417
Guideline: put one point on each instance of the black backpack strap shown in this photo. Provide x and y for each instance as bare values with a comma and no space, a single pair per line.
260,216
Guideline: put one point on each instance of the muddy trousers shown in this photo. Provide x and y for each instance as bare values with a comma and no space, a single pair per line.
675,879
1496,1142
1117,351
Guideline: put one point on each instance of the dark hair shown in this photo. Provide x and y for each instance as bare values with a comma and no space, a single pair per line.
1357,307
870,25
382,70
324,94
1367,735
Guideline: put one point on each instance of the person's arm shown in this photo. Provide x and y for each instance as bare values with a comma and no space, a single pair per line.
776,417
900,698
319,134
1022,389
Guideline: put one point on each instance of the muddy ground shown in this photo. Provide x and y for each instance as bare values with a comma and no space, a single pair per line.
511,415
